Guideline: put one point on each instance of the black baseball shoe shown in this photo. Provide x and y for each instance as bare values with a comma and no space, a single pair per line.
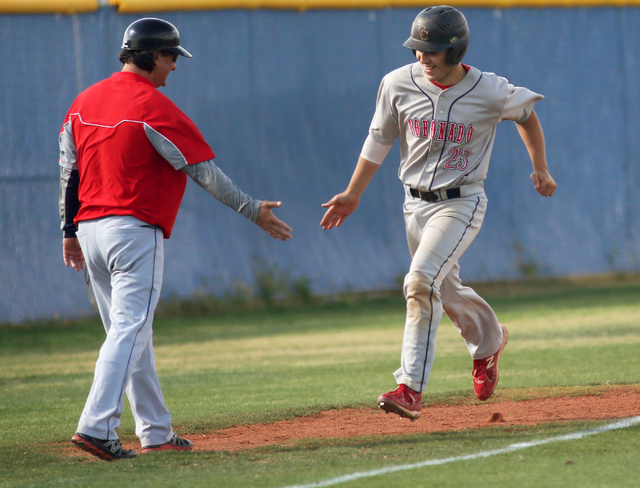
104,449
175,444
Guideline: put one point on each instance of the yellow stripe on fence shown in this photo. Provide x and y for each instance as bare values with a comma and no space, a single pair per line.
301,5
47,6
138,6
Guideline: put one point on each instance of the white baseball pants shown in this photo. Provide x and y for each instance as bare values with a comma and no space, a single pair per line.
125,261
438,234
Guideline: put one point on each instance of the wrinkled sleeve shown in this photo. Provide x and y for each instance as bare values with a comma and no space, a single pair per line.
68,157
167,149
519,104
384,127
220,186
68,202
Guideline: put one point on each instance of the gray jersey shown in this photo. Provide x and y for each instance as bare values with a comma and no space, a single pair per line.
446,136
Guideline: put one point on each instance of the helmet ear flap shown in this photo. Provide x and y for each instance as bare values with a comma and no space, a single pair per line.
455,55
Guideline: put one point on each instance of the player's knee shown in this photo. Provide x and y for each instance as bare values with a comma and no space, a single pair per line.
418,293
417,286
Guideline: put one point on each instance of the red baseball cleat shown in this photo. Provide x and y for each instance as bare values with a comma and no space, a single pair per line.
175,444
403,400
485,371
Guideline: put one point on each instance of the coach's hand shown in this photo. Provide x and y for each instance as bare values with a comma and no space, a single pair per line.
72,253
271,224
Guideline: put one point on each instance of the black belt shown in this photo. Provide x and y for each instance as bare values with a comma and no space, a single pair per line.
430,196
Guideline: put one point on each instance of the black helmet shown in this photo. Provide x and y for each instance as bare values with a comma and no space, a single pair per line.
440,28
156,34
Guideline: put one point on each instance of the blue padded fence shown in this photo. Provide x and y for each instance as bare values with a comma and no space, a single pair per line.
285,100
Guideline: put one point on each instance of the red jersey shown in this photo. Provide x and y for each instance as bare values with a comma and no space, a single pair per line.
121,173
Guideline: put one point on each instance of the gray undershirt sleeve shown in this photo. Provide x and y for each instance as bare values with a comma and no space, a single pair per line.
216,183
65,174
207,175
68,204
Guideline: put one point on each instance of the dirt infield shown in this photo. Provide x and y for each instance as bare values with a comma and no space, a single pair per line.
609,403
598,403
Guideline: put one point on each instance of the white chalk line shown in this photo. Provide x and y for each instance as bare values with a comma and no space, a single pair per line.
622,424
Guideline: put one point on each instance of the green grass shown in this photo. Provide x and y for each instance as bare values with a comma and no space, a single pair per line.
262,366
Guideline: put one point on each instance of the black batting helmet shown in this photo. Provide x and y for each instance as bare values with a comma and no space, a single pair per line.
156,34
440,28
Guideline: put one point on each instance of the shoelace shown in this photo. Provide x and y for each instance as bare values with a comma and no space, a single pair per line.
480,370
406,393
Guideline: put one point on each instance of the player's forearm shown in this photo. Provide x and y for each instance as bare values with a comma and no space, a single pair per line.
362,176
533,137
220,186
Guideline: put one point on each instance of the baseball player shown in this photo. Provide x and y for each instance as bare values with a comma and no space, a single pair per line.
125,153
445,114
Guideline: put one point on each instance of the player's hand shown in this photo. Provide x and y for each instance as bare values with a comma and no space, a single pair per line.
72,253
271,224
339,208
543,183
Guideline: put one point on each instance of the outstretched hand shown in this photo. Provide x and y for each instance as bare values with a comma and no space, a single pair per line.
271,224
72,253
339,208
543,183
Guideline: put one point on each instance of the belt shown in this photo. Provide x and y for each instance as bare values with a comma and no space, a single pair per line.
434,196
